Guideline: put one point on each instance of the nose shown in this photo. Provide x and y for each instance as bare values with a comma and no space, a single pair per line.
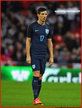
44,16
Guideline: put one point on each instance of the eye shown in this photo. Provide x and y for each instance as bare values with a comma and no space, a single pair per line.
42,13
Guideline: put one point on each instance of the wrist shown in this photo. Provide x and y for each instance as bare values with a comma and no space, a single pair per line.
28,55
51,56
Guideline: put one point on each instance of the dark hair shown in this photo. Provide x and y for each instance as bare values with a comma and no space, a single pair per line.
41,10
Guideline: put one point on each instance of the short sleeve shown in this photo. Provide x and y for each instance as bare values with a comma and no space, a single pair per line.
50,33
30,31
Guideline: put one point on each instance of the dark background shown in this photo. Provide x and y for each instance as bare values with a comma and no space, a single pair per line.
66,28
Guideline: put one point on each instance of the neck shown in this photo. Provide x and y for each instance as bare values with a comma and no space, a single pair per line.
40,22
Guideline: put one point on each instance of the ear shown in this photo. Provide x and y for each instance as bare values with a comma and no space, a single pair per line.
38,15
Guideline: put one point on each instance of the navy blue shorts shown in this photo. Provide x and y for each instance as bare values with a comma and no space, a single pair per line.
38,63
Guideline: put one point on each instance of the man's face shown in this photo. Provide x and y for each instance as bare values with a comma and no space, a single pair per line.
43,16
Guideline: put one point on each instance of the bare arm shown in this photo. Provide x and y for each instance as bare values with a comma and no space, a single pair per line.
28,57
50,48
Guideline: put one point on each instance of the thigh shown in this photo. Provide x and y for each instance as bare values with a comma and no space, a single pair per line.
42,65
35,63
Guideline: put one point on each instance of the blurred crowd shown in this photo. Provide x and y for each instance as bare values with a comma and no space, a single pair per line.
66,28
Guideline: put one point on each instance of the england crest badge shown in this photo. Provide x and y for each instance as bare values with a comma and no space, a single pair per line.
47,31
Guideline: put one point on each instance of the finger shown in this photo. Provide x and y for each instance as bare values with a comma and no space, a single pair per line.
51,63
29,61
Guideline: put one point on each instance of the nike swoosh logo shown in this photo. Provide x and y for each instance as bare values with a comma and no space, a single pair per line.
36,30
36,101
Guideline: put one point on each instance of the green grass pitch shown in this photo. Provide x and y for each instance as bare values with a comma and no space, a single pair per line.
19,94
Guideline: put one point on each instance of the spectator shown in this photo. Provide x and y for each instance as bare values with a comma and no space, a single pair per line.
65,28
70,41
3,31
12,31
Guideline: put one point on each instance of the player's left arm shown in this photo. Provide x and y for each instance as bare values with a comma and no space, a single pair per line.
50,48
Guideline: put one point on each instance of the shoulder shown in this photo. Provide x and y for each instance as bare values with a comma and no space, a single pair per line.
48,25
32,24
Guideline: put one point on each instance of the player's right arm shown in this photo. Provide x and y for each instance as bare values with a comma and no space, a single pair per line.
28,42
28,57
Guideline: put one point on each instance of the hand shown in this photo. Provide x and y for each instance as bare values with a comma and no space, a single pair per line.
51,61
28,59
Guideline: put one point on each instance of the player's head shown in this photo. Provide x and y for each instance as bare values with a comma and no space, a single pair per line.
42,14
